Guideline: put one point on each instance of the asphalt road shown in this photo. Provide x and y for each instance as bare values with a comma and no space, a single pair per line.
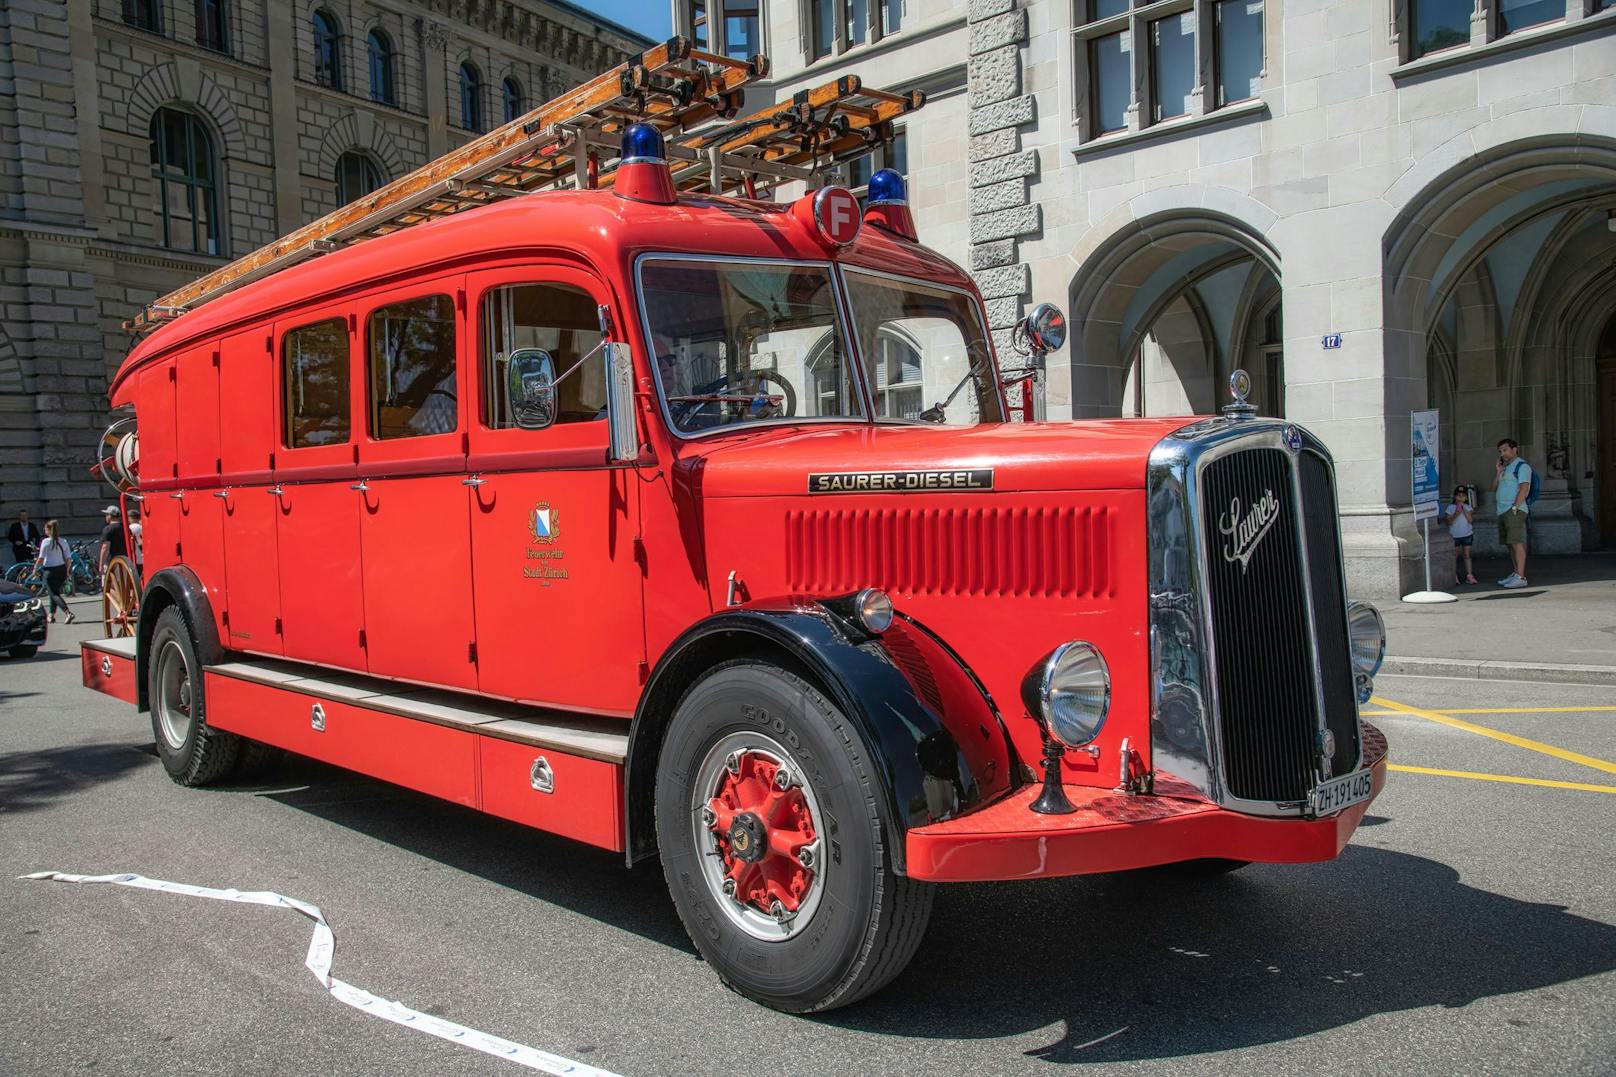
1470,927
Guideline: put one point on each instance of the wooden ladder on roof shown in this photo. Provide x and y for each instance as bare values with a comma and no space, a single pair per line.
572,141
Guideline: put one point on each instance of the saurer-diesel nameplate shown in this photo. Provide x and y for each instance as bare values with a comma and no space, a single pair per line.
900,482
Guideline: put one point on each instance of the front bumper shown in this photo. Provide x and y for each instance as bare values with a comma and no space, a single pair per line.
22,628
1117,832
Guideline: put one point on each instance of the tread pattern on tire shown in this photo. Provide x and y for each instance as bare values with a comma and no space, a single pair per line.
215,751
255,759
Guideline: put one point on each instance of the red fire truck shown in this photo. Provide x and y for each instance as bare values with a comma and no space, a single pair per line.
693,527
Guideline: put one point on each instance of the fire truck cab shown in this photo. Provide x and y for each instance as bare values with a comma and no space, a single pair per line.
695,527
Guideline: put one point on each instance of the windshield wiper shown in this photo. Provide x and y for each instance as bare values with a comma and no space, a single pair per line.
934,414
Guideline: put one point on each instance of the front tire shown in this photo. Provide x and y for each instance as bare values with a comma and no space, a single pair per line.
758,769
191,751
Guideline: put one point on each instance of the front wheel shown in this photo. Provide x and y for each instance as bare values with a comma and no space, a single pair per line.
773,847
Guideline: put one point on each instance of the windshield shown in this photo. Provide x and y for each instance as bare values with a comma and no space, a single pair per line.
925,353
744,342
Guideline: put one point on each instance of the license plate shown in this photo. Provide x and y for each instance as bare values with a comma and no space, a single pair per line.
1343,792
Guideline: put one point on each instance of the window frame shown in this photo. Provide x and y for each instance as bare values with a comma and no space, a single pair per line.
367,161
471,97
1138,19
421,453
1486,28
559,445
327,31
875,28
383,61
510,90
158,142
199,8
152,21
336,460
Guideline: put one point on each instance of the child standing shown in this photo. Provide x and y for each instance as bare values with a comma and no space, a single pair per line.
1460,520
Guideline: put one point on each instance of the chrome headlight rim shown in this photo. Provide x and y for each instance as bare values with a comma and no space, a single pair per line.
1365,615
1040,687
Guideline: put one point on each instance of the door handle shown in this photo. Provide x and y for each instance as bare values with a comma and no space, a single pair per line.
360,486
275,490
221,493
472,481
178,497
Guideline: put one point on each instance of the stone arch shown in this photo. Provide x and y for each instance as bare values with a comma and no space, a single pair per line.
1159,246
359,131
183,83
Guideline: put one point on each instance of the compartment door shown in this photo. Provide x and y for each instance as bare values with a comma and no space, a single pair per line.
159,467
417,580
202,545
196,406
322,605
252,570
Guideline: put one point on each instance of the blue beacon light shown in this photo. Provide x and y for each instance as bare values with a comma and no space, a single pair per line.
642,167
887,204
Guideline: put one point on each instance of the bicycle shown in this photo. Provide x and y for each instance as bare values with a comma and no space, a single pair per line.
83,578
24,574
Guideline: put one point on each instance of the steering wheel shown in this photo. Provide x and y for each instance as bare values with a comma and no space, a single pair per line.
742,394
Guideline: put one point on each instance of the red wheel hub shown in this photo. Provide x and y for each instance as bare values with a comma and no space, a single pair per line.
765,834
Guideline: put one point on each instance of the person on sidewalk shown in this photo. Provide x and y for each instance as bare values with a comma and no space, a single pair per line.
1460,520
54,557
24,538
1512,486
112,540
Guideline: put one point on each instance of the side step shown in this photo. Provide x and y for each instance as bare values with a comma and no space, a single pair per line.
108,665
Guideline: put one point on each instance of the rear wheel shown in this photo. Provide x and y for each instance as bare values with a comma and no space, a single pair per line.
773,847
192,753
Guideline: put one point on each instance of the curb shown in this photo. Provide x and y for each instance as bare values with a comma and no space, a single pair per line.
1488,670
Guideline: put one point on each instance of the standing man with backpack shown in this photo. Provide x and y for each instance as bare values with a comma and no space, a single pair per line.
1515,488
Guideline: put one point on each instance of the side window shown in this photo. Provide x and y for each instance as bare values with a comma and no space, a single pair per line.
412,368
560,320
314,361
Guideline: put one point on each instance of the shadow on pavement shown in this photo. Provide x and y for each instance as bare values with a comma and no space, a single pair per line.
585,880
1265,955
1268,954
31,780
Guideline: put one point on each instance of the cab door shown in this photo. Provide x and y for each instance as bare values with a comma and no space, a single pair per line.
413,517
553,524
248,411
315,503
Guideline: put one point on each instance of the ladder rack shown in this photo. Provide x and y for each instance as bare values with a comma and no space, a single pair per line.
572,141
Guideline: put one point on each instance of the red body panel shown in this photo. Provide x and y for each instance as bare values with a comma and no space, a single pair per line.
322,596
252,570
160,531
431,758
196,404
159,465
416,540
247,407
112,674
587,803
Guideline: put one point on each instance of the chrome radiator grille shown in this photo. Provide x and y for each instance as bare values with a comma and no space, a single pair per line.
1253,682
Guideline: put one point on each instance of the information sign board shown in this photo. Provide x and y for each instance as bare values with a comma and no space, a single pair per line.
1423,456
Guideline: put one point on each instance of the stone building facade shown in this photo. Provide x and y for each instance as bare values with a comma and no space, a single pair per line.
148,141
1374,206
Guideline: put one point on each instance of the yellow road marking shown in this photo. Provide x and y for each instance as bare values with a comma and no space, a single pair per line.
1498,710
1495,734
1502,778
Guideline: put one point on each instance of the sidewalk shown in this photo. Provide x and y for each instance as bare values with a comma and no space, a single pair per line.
1562,628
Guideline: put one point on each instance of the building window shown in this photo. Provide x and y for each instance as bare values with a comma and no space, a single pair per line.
1519,14
379,47
839,25
861,169
511,93
357,176
471,97
1238,49
698,23
1438,24
1143,65
185,168
1172,65
327,51
146,14
741,24
212,31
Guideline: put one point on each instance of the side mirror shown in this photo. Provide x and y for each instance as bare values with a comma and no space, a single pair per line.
530,378
1045,328
622,429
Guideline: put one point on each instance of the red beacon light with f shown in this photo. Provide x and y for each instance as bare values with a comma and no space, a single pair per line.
832,213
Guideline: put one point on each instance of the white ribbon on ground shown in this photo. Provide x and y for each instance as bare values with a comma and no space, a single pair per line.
322,949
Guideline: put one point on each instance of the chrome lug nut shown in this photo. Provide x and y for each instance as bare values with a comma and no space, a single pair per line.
805,856
728,887
708,819
733,763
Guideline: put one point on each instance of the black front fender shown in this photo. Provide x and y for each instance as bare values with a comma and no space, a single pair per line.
176,586
938,746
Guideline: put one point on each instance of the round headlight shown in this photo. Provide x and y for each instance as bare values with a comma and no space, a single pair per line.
873,607
1070,692
1366,634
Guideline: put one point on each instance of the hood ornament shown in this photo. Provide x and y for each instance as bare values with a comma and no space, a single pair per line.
1240,388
